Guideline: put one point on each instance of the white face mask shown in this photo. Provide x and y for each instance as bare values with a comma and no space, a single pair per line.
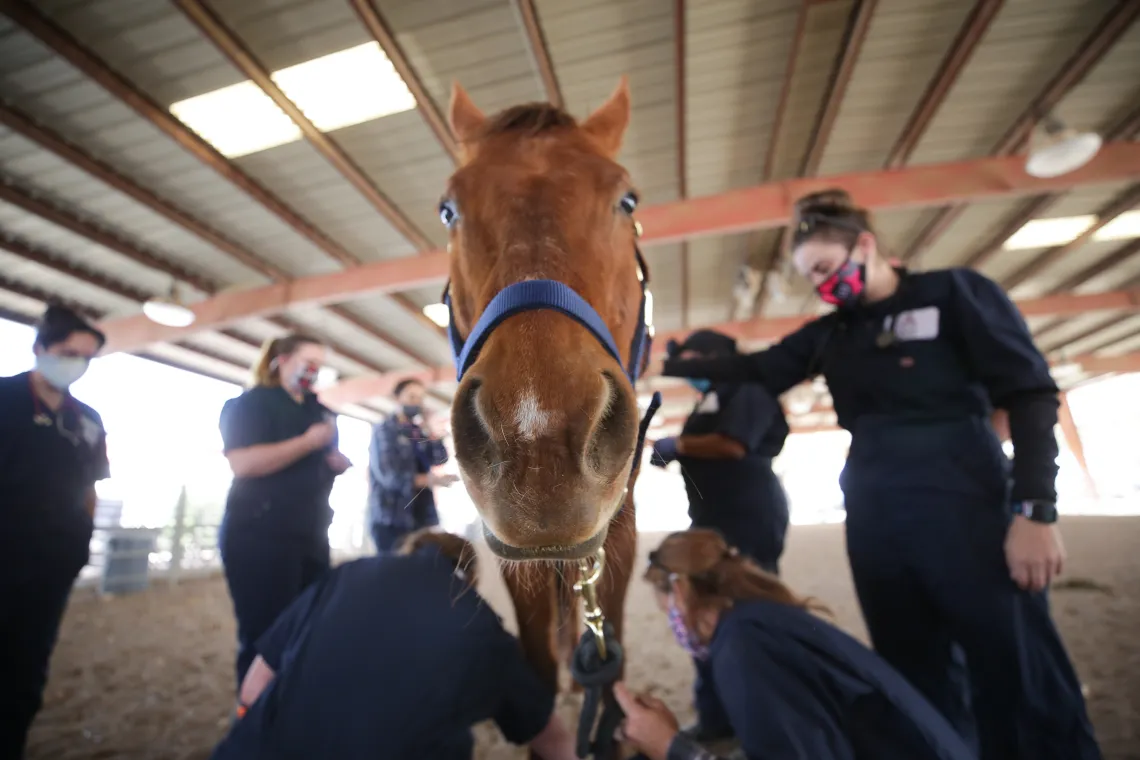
61,371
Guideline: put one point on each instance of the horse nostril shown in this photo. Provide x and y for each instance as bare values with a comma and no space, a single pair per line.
469,432
609,441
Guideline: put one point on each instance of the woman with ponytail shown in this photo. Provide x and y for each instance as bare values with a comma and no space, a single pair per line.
792,684
952,546
281,445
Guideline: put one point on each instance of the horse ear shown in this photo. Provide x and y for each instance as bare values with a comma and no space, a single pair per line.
465,117
607,125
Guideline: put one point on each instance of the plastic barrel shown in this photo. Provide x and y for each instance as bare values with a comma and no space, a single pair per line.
127,560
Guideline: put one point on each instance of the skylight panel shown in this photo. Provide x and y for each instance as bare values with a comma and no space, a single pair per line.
334,91
1123,227
437,312
1047,233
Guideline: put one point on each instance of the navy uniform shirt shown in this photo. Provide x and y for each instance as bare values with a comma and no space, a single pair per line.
794,685
749,415
389,657
947,346
46,470
292,500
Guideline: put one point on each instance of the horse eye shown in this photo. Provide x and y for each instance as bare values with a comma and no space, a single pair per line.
628,202
448,213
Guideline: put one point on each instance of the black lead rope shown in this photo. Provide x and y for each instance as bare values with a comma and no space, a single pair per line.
594,672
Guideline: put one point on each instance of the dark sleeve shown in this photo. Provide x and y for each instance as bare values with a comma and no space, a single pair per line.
331,416
100,464
526,704
1000,352
748,416
777,368
289,625
773,709
437,452
242,423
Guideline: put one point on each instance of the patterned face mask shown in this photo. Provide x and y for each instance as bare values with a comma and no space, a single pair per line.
686,638
845,287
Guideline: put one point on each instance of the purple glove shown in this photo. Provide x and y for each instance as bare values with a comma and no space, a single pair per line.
664,452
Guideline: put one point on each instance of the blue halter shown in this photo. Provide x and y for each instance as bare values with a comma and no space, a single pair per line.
535,295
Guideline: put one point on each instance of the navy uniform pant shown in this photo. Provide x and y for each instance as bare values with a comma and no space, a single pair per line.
265,572
934,587
33,597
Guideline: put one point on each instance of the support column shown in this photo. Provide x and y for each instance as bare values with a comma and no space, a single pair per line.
1073,441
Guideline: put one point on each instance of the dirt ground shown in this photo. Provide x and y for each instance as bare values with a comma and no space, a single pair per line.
148,677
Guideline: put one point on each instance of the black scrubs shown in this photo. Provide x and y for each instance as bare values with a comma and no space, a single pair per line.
388,657
795,686
741,498
49,461
927,487
274,536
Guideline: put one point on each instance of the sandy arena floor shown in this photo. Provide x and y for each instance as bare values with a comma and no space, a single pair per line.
148,677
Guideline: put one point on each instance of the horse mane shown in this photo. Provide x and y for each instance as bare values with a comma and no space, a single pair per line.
530,119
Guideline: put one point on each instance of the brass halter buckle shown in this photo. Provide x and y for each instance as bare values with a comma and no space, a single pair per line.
590,572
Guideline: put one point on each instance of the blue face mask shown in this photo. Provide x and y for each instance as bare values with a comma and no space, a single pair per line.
702,386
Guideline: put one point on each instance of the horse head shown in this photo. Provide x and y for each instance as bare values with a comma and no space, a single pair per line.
545,419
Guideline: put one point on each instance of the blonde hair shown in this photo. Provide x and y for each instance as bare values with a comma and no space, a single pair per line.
265,371
717,574
455,548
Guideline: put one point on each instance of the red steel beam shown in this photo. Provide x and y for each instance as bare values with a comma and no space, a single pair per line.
1069,74
858,25
681,110
33,131
772,261
108,175
539,51
67,47
215,30
759,207
1034,207
372,19
961,50
749,331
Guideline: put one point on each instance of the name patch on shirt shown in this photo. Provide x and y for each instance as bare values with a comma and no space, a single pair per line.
710,404
917,324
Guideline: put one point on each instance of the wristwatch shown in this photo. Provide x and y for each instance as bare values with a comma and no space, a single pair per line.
1038,511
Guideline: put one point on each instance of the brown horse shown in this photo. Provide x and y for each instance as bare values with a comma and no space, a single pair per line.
545,418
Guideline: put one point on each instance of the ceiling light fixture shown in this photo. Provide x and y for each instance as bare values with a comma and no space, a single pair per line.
437,312
168,310
1057,149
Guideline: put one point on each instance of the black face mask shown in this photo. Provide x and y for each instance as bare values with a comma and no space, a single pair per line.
412,410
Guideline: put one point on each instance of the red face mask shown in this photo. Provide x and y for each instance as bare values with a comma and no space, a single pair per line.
306,376
845,287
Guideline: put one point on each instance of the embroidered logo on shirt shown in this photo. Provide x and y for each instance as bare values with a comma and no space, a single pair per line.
710,404
917,324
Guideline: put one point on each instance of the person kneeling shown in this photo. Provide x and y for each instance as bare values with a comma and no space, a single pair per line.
394,657
792,684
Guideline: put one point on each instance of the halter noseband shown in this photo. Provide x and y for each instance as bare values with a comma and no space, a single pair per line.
536,295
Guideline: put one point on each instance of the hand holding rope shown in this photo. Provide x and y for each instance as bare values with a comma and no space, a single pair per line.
597,663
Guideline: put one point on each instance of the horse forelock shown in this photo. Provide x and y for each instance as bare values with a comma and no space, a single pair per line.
529,119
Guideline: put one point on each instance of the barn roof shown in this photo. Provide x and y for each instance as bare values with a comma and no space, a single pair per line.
107,198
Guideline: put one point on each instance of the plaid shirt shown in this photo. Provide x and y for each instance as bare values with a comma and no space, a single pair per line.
684,748
399,451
